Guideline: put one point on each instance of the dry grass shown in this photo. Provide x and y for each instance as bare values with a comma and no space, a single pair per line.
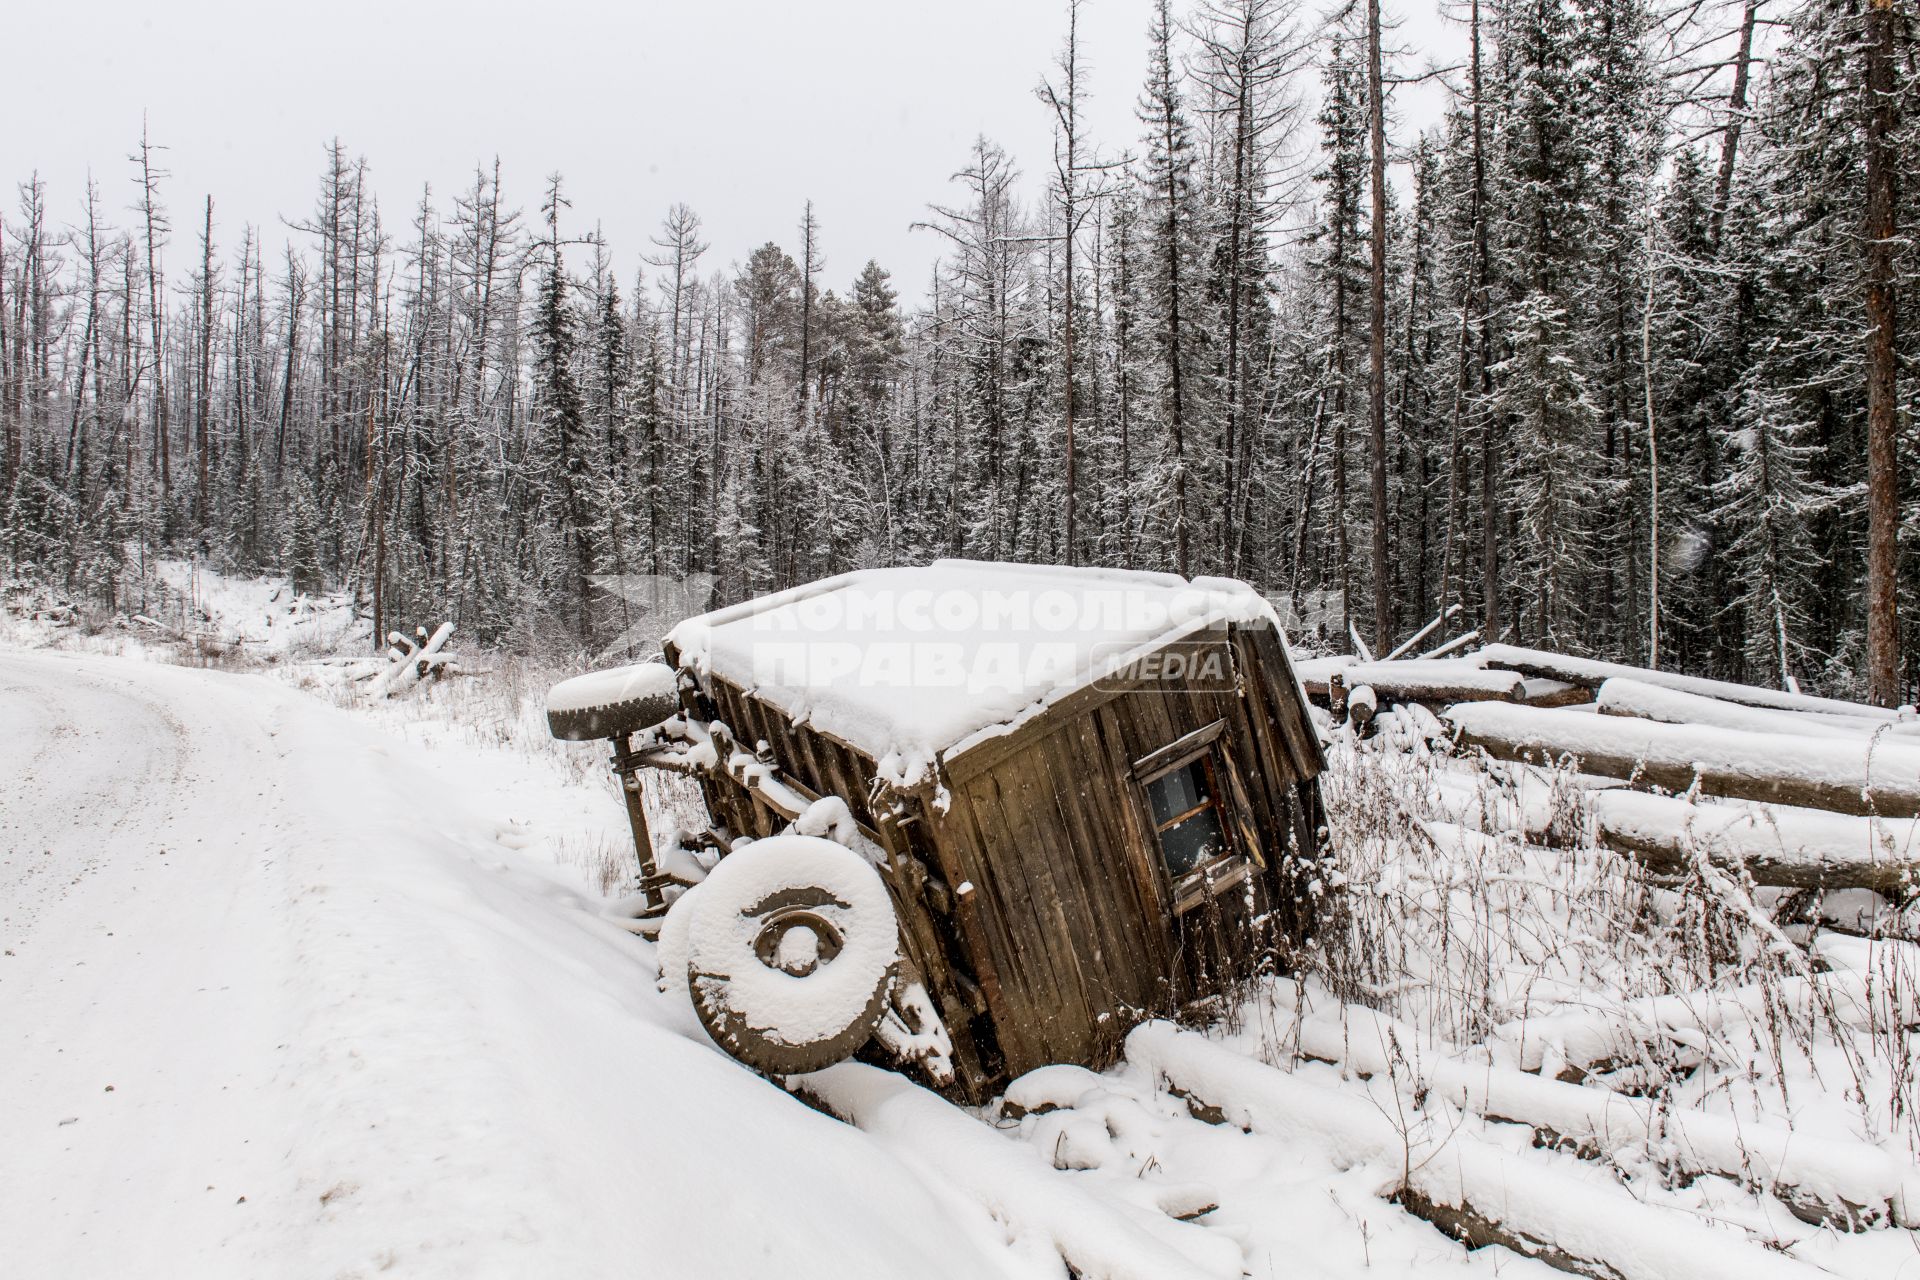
1467,895
605,864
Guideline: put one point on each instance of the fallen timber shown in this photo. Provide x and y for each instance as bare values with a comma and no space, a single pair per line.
1091,1235
1776,845
1591,674
1575,1043
1622,696
1856,775
1842,1182
1434,682
1464,1185
1438,683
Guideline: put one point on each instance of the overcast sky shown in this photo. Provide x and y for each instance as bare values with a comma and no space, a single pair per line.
744,110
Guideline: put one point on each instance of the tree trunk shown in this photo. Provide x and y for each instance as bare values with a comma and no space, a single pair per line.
1066,110
1883,485
1736,120
1377,335
295,299
9,427
807,268
149,180
201,494
1653,468
1178,417
1490,439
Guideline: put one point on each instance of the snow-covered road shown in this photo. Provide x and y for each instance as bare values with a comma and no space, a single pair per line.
278,1000
138,1097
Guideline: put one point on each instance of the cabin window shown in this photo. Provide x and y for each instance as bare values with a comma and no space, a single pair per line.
1187,818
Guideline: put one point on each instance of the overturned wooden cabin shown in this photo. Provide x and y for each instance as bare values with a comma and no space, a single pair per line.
1095,790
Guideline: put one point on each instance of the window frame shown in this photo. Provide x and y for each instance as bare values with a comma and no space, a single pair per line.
1218,874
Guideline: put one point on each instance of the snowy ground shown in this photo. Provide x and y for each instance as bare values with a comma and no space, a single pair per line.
298,984
283,994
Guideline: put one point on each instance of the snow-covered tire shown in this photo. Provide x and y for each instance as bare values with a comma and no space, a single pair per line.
791,949
611,704
670,947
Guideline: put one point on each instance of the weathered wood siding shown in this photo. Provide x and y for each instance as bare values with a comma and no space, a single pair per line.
1036,900
1071,909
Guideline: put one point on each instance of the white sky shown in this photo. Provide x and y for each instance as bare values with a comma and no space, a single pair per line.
744,110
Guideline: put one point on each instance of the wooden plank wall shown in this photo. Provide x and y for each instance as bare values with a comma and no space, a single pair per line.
823,766
1054,917
1069,902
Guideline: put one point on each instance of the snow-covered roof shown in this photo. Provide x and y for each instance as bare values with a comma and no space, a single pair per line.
911,664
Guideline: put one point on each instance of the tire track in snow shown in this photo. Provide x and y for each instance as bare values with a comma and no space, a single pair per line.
337,995
132,1107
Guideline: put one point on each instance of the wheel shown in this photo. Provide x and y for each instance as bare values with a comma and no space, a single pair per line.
671,945
613,703
791,945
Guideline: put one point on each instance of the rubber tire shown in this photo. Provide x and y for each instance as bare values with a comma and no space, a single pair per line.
613,720
670,946
748,1034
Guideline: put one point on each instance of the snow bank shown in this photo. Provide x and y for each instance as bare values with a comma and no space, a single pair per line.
1014,1183
264,614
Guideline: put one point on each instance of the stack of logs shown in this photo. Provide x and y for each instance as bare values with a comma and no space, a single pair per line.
413,660
1794,790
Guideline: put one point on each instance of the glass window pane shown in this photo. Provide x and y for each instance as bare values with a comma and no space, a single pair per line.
1192,843
1179,791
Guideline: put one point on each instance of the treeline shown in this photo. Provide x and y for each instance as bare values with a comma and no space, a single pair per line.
1617,355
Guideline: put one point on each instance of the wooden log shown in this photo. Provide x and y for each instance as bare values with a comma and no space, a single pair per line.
1580,1040
1462,1184
1458,642
1092,1234
1406,646
1539,691
1435,683
1775,844
1362,706
1359,645
412,660
1621,696
1466,1223
1838,1180
1592,674
1843,775
1315,673
1336,690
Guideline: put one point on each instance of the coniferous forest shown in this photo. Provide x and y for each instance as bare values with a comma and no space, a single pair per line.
1618,354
